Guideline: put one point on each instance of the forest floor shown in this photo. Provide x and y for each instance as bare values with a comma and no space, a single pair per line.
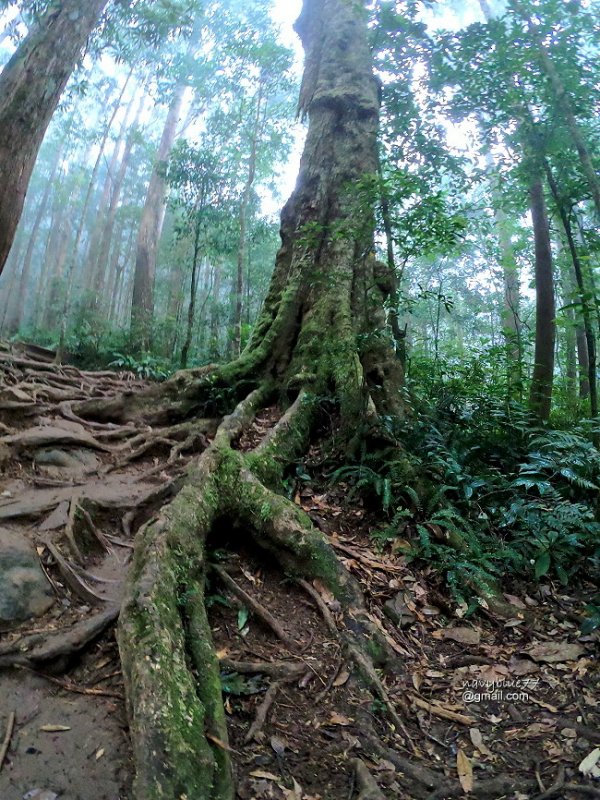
490,707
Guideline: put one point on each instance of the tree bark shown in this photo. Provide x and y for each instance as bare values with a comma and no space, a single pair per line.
540,399
30,87
510,314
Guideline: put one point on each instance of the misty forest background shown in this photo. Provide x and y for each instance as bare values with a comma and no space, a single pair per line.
150,229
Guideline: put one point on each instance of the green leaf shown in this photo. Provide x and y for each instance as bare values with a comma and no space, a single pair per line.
562,574
591,623
542,564
242,619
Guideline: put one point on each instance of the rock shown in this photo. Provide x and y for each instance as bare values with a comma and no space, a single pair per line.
67,463
24,589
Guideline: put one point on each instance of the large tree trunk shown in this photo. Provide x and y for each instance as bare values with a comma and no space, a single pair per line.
30,87
321,332
545,325
153,214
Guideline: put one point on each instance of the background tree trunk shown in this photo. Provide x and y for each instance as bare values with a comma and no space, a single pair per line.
545,325
142,305
17,310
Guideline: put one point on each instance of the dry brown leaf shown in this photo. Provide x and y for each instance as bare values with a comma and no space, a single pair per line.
494,673
339,719
219,742
267,776
555,652
54,728
464,635
522,666
278,745
541,704
477,740
342,679
293,794
465,771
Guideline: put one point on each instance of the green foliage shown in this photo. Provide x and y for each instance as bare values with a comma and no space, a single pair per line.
235,684
144,366
488,494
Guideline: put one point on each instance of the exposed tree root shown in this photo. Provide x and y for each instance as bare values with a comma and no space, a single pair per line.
78,586
255,733
367,787
170,668
40,649
274,669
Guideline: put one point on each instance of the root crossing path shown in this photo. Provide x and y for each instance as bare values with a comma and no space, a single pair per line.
211,627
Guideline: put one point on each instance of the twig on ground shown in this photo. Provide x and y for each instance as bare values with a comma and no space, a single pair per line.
73,687
260,611
7,738
440,711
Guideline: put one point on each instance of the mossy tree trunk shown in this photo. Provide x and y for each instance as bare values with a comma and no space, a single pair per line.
322,331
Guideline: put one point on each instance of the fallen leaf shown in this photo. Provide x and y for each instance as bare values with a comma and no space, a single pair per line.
268,776
219,742
513,623
342,678
590,764
278,745
569,733
461,635
541,704
54,728
477,740
295,793
465,771
555,652
339,719
522,666
494,673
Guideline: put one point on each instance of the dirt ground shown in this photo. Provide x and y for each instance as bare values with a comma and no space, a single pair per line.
490,707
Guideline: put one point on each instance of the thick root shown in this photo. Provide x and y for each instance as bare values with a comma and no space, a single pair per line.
171,672
164,638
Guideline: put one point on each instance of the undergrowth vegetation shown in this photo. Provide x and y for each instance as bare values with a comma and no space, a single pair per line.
491,494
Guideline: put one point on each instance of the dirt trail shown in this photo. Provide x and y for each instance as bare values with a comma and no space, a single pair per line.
489,706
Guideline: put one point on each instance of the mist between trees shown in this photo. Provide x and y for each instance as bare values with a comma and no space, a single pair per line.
144,241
